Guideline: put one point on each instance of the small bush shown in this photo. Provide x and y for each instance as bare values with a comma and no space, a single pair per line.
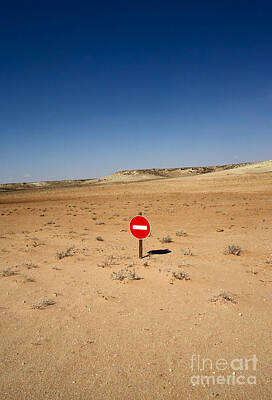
123,274
30,265
8,272
37,243
66,253
43,304
187,252
109,261
224,296
27,265
233,249
181,233
146,264
166,239
99,238
181,275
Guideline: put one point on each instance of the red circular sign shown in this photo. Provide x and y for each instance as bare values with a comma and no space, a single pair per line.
139,227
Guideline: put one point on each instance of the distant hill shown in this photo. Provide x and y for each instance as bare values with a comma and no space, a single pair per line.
7,187
137,175
162,173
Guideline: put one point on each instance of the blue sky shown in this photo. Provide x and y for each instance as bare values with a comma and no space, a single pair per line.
88,88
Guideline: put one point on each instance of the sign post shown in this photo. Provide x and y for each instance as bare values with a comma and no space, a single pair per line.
140,248
140,228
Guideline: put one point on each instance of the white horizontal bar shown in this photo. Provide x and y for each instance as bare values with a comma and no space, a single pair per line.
140,227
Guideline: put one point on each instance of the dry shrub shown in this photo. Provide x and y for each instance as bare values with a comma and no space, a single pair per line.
123,274
233,249
66,253
181,233
180,275
7,272
225,296
43,304
166,239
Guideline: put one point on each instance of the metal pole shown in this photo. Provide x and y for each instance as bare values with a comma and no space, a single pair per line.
140,244
140,248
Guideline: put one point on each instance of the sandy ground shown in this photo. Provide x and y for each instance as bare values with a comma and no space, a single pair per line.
135,339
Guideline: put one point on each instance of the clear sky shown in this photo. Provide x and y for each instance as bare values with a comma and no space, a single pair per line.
91,87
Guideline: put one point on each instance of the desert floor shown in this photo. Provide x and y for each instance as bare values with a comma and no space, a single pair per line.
70,331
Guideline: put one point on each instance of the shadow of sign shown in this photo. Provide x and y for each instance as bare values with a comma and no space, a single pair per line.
160,251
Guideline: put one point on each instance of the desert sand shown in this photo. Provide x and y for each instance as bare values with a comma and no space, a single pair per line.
71,331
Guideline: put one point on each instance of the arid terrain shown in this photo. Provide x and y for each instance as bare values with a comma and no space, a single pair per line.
82,317
127,176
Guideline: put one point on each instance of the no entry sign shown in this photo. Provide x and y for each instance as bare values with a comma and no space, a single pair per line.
139,227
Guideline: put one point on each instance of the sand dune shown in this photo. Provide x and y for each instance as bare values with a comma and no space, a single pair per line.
141,175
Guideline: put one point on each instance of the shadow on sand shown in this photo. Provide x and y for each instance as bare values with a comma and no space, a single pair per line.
160,251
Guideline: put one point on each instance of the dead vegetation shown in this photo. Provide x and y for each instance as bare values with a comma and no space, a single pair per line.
109,262
166,239
146,264
225,296
44,303
180,275
181,233
125,274
233,249
30,265
27,265
187,252
66,253
8,272
37,242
